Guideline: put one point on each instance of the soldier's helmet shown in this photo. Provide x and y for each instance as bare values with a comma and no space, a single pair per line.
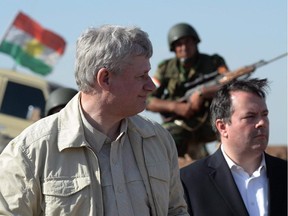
181,30
58,99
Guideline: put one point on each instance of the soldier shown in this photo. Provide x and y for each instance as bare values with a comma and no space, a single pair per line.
187,120
58,99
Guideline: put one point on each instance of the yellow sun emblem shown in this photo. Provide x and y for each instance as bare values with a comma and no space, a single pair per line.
34,47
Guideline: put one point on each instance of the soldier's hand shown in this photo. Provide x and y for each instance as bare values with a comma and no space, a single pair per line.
196,101
183,109
184,161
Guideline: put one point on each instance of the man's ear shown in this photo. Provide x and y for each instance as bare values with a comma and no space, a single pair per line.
103,78
221,127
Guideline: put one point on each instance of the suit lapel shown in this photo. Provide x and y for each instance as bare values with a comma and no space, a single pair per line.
277,180
224,182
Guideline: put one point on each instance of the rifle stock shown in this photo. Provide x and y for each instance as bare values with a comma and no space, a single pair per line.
209,89
229,76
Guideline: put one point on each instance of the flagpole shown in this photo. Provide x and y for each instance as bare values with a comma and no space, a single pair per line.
9,28
6,33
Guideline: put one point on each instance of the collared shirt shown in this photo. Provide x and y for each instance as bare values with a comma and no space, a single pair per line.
253,189
122,185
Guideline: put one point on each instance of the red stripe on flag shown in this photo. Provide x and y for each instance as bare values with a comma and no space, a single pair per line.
43,35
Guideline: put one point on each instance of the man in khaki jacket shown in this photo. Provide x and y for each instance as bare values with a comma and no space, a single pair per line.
97,156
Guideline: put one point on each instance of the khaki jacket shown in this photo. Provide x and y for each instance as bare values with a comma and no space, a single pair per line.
50,169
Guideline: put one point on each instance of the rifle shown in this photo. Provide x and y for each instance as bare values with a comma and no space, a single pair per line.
208,85
214,80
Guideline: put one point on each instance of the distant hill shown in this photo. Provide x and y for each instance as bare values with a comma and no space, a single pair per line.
278,151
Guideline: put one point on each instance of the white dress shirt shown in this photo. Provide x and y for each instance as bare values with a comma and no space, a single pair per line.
253,189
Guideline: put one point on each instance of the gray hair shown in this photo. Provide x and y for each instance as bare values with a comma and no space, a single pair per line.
108,46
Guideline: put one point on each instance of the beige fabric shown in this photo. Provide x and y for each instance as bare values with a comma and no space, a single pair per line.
122,185
51,169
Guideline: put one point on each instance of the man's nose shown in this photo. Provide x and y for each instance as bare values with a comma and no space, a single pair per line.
262,122
150,86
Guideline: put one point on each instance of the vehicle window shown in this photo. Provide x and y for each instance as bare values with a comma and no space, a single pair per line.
20,99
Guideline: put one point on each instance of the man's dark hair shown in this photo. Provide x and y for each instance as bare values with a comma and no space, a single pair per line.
221,106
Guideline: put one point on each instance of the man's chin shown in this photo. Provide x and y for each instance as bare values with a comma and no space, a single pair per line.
261,146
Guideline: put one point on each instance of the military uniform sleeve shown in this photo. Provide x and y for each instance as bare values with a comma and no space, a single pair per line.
159,81
219,63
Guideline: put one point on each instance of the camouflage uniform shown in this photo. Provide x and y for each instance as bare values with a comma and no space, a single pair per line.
191,134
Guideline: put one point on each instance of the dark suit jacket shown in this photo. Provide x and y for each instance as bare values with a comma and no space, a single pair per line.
211,190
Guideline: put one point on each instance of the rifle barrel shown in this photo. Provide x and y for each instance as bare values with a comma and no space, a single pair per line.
278,57
202,79
262,62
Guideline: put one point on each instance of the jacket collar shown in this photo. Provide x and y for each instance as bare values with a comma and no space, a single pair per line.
71,131
223,180
70,127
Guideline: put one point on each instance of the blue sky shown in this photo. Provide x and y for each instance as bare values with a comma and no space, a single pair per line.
243,32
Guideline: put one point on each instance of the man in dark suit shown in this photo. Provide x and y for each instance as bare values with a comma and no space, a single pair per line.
239,178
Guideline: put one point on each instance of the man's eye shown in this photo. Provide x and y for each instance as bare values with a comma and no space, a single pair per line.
265,114
249,117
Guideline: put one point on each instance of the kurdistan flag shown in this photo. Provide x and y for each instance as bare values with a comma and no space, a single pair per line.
31,45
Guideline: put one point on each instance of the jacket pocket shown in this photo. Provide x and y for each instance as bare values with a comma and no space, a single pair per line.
159,177
66,196
159,171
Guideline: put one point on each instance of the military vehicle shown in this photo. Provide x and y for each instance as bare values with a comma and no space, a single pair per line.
22,102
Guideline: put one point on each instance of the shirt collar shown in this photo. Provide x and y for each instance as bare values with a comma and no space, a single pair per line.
97,139
232,164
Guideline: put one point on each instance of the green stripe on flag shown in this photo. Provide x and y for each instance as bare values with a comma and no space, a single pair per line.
24,58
